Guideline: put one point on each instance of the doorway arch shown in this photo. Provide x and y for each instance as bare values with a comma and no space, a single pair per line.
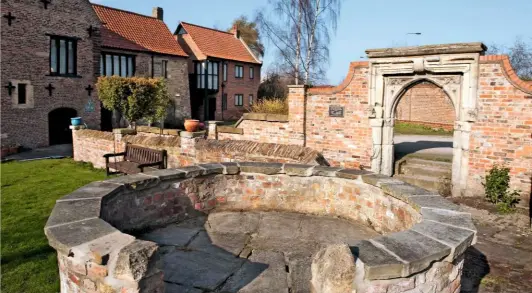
59,125
454,68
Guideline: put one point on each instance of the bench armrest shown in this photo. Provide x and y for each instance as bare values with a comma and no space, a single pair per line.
114,155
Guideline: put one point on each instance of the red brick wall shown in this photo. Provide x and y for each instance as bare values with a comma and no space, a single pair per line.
426,103
503,130
344,141
25,50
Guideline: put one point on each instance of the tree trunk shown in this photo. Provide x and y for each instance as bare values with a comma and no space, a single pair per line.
298,41
310,47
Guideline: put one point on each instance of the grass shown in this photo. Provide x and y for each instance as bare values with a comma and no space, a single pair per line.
411,128
29,191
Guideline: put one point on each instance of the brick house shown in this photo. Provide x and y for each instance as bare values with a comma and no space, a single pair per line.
50,52
224,71
140,45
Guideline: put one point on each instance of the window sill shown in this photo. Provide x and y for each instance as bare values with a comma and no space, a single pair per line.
65,75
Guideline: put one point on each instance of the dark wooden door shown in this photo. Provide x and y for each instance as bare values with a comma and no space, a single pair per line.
59,125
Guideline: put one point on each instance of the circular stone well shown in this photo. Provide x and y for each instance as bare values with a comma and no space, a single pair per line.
258,227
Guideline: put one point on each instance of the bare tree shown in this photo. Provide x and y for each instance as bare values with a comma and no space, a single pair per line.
520,54
300,31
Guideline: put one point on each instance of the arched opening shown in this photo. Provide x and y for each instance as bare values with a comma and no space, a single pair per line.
58,125
424,117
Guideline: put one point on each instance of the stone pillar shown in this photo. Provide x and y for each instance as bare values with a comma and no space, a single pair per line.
188,146
74,138
212,132
297,111
119,134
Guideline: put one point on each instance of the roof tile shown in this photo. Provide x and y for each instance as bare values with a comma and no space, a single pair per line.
219,44
132,31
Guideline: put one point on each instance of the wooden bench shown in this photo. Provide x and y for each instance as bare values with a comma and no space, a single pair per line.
135,159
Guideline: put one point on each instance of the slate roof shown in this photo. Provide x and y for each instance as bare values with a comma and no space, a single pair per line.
218,44
132,31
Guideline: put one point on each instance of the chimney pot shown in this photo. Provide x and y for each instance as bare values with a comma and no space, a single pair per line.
157,12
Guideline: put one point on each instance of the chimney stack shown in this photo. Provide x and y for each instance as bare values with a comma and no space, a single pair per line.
157,12
235,31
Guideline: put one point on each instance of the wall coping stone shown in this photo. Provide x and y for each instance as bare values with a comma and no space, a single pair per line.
266,117
456,48
192,134
229,129
442,233
125,131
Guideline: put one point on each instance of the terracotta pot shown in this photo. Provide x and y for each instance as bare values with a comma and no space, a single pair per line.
191,125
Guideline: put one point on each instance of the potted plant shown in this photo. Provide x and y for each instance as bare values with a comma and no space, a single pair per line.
192,125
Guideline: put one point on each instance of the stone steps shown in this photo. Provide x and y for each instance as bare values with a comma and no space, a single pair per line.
426,182
428,174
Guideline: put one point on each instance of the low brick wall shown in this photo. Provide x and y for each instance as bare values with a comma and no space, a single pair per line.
425,236
187,148
91,145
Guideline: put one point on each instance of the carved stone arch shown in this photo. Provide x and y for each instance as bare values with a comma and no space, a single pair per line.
451,91
392,71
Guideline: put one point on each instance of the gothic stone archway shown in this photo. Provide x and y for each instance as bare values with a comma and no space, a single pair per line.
453,67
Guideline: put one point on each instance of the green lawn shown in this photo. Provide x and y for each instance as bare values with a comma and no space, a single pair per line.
29,191
410,128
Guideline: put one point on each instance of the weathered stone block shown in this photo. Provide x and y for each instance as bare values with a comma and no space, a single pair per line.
97,189
136,261
258,167
230,168
378,179
325,171
417,250
436,202
167,174
351,173
456,238
457,219
298,170
378,264
76,210
212,168
136,181
64,237
333,270
192,171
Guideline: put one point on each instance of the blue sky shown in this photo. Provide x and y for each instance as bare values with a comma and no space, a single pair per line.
369,24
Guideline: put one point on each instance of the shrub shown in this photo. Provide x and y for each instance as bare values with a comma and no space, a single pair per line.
134,97
270,106
497,189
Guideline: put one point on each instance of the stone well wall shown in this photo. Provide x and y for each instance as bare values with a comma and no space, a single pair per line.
422,246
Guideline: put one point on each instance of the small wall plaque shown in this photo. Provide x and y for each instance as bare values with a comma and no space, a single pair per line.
336,111
89,107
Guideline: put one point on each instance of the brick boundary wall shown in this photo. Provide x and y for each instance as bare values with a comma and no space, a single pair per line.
187,148
422,249
502,132
500,135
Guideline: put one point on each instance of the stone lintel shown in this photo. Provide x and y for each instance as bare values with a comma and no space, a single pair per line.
427,50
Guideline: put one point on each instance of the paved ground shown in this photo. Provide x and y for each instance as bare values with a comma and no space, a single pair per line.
248,252
423,144
501,261
55,151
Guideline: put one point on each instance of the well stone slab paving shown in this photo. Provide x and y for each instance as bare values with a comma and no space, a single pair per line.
248,251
